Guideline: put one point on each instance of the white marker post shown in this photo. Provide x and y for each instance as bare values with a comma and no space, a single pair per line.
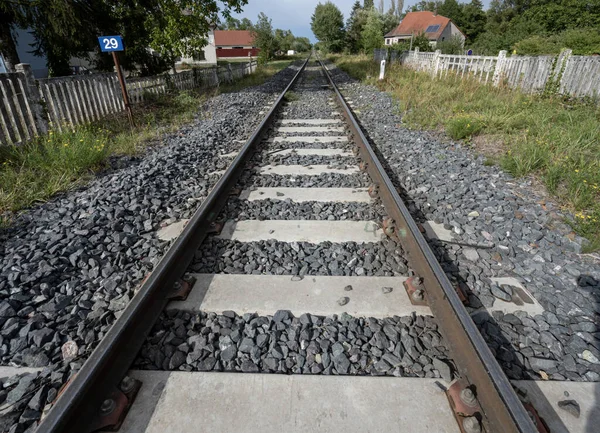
382,70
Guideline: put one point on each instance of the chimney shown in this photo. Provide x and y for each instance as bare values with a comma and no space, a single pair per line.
435,12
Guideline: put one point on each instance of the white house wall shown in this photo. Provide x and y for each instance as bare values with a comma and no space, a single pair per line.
450,31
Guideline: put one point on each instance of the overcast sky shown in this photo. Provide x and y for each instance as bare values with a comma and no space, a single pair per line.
295,15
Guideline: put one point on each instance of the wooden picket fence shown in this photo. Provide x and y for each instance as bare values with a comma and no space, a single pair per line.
30,107
577,76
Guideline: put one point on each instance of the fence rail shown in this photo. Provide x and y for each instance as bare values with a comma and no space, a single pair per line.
29,107
566,74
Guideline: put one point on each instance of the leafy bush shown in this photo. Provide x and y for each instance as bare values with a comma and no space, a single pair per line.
583,42
422,42
454,45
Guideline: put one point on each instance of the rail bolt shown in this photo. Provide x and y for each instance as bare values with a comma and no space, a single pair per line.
127,384
108,406
468,397
418,295
373,190
471,425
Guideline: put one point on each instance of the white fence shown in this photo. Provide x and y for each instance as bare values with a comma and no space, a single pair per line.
577,76
28,107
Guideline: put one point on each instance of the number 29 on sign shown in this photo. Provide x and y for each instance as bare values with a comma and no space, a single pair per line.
110,43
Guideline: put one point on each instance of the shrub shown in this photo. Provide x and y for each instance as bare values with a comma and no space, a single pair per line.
454,45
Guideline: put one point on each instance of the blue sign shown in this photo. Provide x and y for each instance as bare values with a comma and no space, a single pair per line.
110,43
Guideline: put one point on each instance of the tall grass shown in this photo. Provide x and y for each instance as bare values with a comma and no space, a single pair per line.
553,138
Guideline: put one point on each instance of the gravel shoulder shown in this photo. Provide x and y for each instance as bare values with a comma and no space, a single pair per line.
524,235
71,265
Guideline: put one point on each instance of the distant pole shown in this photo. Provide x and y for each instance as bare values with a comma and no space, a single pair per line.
411,39
123,89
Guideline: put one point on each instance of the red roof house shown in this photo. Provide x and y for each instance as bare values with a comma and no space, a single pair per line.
235,44
436,27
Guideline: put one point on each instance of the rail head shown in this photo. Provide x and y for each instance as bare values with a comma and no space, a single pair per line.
111,359
503,410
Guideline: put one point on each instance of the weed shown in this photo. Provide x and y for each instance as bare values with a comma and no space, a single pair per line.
462,127
554,138
291,96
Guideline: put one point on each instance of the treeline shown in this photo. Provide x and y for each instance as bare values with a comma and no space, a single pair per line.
270,41
155,32
521,26
524,26
363,30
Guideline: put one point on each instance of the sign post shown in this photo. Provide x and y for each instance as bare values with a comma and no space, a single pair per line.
112,44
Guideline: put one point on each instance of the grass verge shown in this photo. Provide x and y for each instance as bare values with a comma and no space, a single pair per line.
64,160
553,138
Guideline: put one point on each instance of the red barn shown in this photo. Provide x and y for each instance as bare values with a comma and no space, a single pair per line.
231,44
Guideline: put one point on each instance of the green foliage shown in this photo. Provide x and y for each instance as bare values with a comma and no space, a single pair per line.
462,127
372,34
284,39
422,42
354,27
264,38
327,24
63,29
232,23
302,45
454,45
583,42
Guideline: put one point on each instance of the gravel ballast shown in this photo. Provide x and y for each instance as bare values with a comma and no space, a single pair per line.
408,346
524,235
70,266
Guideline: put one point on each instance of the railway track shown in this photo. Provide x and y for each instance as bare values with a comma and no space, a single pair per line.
304,261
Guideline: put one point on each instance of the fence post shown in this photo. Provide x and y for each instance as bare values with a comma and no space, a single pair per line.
230,72
436,62
499,68
34,98
559,69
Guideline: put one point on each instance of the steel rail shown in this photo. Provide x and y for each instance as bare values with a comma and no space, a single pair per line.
112,358
502,408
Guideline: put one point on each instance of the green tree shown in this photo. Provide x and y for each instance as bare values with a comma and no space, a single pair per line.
453,10
232,23
389,22
67,28
354,27
284,39
302,45
474,20
399,8
369,4
372,34
264,38
327,24
181,26
245,24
